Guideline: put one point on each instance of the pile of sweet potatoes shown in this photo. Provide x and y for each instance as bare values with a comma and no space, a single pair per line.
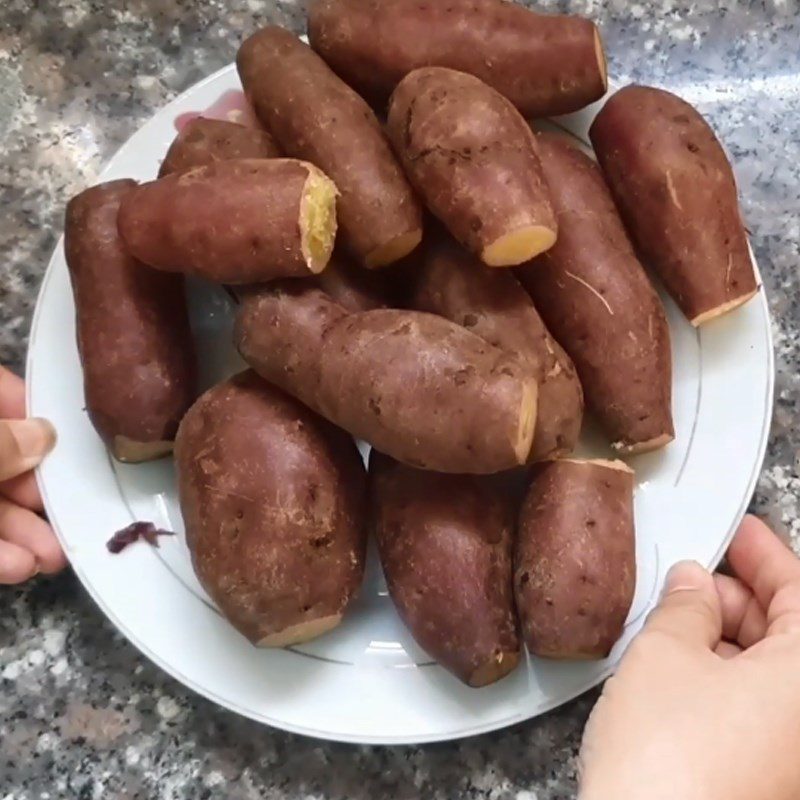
486,285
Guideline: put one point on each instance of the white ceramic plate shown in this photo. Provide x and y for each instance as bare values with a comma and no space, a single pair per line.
367,681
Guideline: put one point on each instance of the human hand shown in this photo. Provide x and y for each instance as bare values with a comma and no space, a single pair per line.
27,543
706,702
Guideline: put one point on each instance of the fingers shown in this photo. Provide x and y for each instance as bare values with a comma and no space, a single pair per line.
783,615
23,491
27,543
690,607
728,650
23,445
12,395
743,620
26,530
761,561
771,571
16,564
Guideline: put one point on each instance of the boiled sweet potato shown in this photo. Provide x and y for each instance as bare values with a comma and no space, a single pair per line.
493,304
273,501
234,222
598,303
677,194
204,141
544,64
416,386
445,546
315,116
473,159
133,331
575,558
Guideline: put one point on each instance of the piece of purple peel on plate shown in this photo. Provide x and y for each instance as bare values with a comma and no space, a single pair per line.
132,533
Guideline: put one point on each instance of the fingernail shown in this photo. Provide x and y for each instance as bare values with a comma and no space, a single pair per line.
684,575
35,437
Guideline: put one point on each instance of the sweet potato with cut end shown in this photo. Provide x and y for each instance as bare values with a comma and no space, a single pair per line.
544,64
598,303
493,304
234,222
676,192
473,159
273,501
203,141
315,116
575,558
414,385
445,546
133,331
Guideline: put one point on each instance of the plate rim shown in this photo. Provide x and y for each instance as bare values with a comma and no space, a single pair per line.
382,740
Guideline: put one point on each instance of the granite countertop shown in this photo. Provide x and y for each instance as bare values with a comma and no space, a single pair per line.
82,713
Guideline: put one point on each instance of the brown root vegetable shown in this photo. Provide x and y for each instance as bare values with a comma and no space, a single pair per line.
445,546
204,141
234,222
575,558
273,501
676,192
315,116
598,303
414,385
544,64
473,159
493,304
353,288
133,331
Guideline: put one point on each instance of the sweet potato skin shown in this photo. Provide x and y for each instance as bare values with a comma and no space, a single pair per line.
598,303
133,331
203,141
231,221
445,546
470,155
273,498
280,332
315,116
354,288
414,385
544,64
493,304
575,559
426,382
676,192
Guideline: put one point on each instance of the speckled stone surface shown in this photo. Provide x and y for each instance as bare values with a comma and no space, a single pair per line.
82,714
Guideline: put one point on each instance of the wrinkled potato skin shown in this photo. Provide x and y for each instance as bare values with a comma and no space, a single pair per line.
493,304
231,221
445,546
469,154
676,192
544,64
133,329
315,116
575,559
414,385
353,288
273,501
203,141
619,341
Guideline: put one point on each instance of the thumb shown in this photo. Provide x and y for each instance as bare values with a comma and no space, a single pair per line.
23,444
690,609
